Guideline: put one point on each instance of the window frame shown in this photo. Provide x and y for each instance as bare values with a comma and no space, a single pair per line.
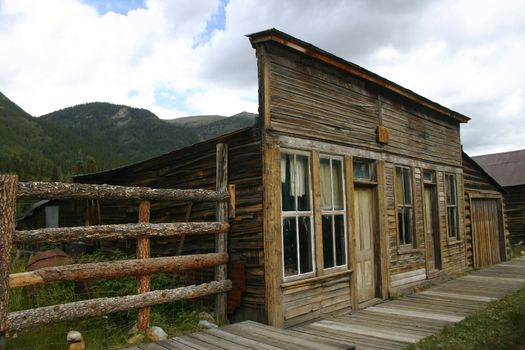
296,214
335,212
398,205
455,205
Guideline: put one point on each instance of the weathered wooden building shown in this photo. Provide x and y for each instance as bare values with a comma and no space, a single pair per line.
486,229
508,168
349,190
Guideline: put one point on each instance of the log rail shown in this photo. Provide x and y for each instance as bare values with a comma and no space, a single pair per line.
142,267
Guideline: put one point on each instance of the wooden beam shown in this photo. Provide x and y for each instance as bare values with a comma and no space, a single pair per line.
143,252
8,185
383,230
221,243
59,190
231,209
318,224
272,236
117,232
349,180
19,320
116,269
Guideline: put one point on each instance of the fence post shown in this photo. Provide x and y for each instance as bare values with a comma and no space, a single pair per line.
8,185
143,252
221,239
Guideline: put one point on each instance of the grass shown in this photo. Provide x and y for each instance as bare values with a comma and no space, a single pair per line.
499,326
106,332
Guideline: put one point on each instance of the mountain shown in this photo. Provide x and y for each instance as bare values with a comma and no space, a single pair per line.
196,121
97,136
37,150
226,125
130,133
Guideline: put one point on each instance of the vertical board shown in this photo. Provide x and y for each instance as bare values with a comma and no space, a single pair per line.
485,231
364,245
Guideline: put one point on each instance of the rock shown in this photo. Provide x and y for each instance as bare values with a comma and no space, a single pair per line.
205,316
207,324
136,339
156,334
522,252
75,341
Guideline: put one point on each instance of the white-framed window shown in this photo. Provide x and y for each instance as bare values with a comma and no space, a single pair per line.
333,211
405,208
452,206
297,215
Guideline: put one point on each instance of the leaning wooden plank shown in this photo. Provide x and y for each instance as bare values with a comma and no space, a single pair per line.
118,232
102,306
494,279
458,296
430,315
59,190
7,225
115,269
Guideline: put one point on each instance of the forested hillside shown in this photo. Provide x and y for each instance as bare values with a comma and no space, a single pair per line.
37,150
97,136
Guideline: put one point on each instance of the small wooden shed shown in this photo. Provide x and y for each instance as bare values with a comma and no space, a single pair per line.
486,228
508,168
348,191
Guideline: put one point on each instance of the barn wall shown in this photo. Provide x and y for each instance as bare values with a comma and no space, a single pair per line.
515,200
194,167
309,106
478,184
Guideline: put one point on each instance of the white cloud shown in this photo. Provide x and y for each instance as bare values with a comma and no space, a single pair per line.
466,55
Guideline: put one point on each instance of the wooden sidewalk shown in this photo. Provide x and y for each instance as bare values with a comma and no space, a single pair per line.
389,325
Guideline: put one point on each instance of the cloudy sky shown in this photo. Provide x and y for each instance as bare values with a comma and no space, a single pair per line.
180,58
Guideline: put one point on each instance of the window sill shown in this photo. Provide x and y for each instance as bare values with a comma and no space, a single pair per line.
310,280
454,242
407,250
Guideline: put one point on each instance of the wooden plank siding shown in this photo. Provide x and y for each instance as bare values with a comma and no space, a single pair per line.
316,108
515,201
478,184
195,167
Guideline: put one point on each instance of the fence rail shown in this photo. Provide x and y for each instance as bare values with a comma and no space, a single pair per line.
141,267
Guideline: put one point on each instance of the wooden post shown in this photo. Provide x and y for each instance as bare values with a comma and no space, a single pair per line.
143,252
8,185
221,239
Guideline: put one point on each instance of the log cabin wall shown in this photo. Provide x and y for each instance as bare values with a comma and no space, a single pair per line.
194,167
515,200
313,108
479,185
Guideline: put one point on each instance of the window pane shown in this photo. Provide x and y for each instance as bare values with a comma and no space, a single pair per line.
326,190
451,189
401,225
452,224
407,185
302,183
362,170
287,182
328,242
340,251
337,181
408,225
400,194
290,247
305,244
428,176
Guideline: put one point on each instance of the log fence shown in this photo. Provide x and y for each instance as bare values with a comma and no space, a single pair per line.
141,267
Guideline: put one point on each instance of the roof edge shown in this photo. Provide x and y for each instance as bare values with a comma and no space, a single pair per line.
274,35
480,168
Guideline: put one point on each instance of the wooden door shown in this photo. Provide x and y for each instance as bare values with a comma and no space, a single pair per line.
365,222
432,229
486,231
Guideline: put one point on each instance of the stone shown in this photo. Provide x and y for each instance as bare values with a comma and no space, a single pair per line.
156,334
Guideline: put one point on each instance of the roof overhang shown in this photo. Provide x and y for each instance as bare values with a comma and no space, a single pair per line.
276,36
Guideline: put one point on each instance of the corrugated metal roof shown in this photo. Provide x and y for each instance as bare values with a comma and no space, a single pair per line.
508,168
